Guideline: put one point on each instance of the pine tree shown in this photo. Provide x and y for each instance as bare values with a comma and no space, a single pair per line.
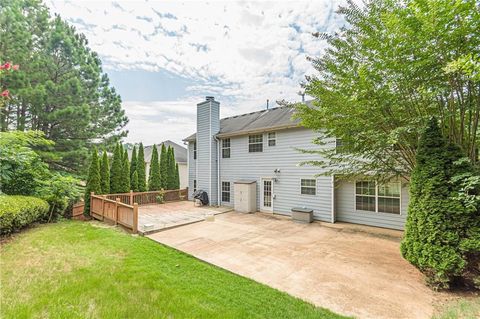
164,167
177,177
170,168
105,174
125,173
142,184
154,180
133,163
134,182
93,181
116,171
439,225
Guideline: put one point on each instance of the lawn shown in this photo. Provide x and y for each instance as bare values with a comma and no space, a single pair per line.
85,270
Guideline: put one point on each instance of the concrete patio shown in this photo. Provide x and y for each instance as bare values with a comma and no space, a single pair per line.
158,217
351,270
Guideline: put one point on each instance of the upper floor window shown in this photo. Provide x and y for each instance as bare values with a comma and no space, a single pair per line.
272,139
226,148
380,198
225,191
308,187
194,150
255,143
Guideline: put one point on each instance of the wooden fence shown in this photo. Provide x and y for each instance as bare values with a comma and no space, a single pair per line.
122,208
152,197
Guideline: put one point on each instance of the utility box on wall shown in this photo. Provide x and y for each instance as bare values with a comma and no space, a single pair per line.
245,199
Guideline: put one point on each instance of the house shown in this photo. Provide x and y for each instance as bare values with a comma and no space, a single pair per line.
262,147
180,159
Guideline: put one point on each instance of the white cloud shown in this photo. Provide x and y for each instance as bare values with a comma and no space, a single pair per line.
244,51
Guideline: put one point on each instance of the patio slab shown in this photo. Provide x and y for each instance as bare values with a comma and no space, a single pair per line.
158,217
352,270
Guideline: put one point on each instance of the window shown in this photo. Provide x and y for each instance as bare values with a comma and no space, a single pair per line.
194,185
194,150
255,143
225,191
226,148
272,139
339,146
380,198
308,187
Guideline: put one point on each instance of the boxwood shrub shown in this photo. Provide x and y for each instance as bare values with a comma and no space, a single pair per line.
18,211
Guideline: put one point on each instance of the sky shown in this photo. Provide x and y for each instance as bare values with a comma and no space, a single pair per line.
164,57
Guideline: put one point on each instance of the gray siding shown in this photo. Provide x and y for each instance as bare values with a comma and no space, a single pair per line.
192,170
345,208
283,156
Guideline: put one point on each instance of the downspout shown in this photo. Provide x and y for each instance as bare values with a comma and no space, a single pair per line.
219,183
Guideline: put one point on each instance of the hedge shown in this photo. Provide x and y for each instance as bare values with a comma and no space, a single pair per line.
18,211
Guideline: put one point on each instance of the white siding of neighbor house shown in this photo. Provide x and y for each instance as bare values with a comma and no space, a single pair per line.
286,157
192,170
345,208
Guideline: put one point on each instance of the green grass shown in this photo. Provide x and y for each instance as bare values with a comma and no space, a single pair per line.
84,270
468,308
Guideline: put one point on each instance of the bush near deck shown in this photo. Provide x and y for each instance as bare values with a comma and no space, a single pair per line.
18,211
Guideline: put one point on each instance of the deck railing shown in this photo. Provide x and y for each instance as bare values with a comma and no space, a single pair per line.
123,208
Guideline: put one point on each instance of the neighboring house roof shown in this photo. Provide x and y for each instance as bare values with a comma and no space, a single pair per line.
274,118
180,151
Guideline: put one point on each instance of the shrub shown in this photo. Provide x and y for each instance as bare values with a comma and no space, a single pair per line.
93,181
142,182
18,211
154,176
105,174
116,171
442,233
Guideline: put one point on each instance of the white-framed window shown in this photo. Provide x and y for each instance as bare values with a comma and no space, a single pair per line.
226,148
194,185
226,192
255,143
308,186
194,150
272,139
379,198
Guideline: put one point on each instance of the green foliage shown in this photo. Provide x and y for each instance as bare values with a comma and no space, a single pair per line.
125,174
61,192
116,171
177,177
442,234
383,77
17,212
164,167
142,180
93,181
154,180
133,165
160,198
170,168
134,182
60,88
105,174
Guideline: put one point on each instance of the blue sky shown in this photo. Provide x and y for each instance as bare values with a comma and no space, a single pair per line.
164,57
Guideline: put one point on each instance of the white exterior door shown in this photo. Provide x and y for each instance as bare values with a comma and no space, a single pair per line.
266,195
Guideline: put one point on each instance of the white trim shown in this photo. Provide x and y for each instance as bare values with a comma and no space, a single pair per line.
333,198
316,186
262,207
210,137
376,198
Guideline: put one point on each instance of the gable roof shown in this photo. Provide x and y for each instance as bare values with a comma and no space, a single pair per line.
274,118
180,151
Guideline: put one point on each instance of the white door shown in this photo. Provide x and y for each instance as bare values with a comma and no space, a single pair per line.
266,195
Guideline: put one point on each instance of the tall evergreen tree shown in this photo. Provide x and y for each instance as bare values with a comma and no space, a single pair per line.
164,167
93,180
125,173
177,177
105,174
142,183
60,88
154,180
133,163
134,182
116,171
170,168
442,234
